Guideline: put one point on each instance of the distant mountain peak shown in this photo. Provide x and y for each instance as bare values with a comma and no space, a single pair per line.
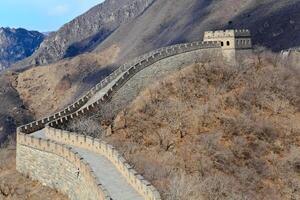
86,31
17,44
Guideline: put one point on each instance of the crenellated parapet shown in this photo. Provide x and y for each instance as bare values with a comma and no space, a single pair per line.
232,42
230,39
124,73
28,143
227,33
137,181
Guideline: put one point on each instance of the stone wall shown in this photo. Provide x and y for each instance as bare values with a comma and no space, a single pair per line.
101,147
227,33
150,75
130,68
232,41
227,38
157,65
56,166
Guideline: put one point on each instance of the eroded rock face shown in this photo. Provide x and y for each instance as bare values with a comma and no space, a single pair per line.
17,44
86,31
13,112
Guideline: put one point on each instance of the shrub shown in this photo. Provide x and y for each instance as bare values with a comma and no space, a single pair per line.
89,127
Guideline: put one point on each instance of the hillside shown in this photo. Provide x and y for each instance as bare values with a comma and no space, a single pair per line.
47,89
13,112
215,132
166,22
85,32
143,25
17,44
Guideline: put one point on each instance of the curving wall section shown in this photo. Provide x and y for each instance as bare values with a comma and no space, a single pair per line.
133,70
126,71
149,76
101,147
45,160
58,166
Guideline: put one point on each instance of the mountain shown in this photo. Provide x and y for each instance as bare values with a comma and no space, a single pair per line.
17,44
273,23
86,31
142,25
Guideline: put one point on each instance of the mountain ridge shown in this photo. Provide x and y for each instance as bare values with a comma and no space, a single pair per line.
86,30
17,44
143,25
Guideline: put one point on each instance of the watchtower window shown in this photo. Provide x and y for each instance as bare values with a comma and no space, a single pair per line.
228,43
222,43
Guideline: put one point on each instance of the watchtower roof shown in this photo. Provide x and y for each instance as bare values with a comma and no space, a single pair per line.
227,33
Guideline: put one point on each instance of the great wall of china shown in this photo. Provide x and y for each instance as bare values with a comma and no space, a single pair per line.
83,167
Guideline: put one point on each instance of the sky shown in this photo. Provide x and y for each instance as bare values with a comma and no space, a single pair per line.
41,15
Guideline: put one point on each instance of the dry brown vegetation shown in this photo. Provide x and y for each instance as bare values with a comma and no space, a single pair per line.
14,186
213,131
47,89
89,127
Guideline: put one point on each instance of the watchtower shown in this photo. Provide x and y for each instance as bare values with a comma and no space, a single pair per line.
232,41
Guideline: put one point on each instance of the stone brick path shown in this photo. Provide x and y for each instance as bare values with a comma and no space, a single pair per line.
107,173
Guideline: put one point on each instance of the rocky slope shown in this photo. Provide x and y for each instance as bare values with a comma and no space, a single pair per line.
142,25
165,22
17,44
85,32
13,112
47,89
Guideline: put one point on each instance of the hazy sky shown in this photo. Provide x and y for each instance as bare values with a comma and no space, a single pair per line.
41,15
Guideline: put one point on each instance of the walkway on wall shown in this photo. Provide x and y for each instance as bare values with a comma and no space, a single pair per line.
103,91
111,178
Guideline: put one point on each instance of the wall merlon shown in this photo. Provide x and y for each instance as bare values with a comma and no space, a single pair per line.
227,33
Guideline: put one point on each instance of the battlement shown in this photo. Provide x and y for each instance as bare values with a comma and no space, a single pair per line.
102,148
227,33
232,40
242,32
29,149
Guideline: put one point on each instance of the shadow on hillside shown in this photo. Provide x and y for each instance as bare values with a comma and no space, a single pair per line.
185,25
276,30
88,44
97,76
94,78
13,112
